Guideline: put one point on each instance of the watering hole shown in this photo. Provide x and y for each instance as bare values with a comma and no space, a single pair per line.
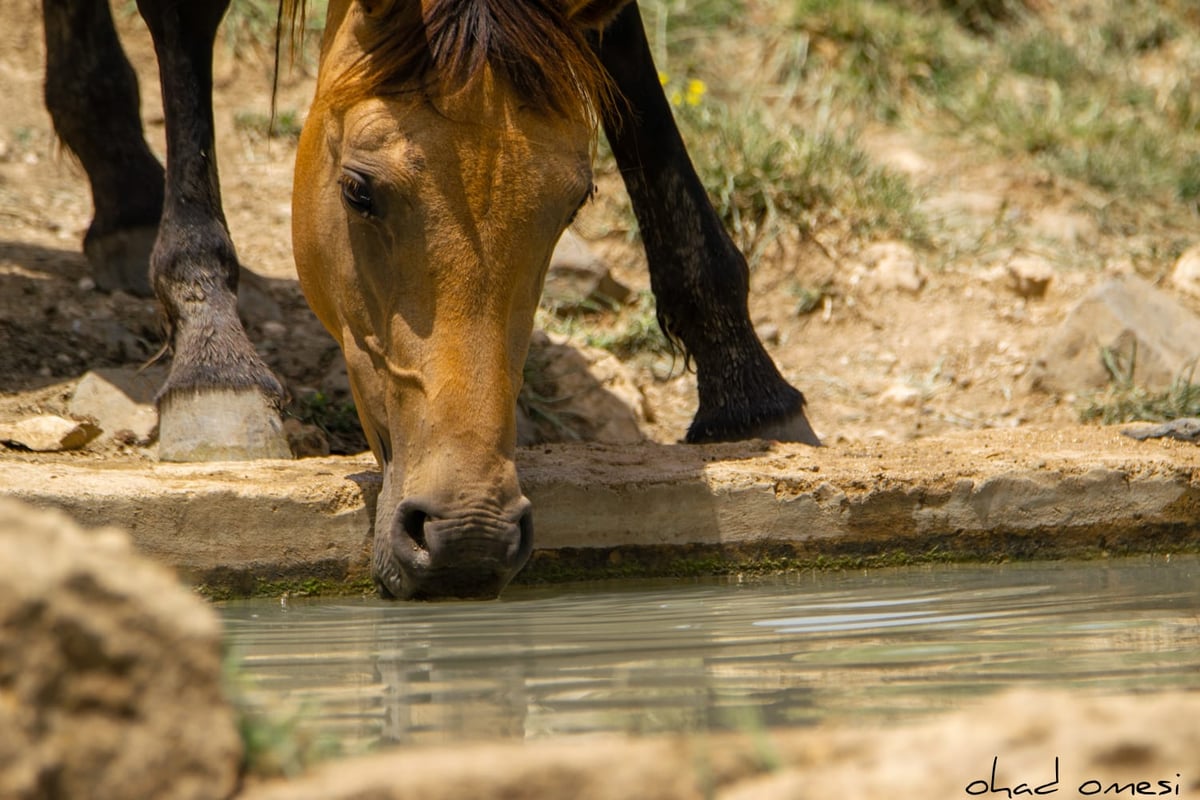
652,656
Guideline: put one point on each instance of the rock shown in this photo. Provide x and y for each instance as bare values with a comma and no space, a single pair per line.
580,394
306,441
1144,326
48,433
120,400
110,671
893,266
1098,741
1186,275
901,394
578,280
1029,276
1184,429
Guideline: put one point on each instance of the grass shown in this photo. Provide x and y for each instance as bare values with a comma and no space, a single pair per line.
260,126
1077,90
275,741
1126,401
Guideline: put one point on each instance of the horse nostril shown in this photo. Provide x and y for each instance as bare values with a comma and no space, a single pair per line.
525,542
413,521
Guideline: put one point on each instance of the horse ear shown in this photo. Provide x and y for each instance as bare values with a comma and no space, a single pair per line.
593,14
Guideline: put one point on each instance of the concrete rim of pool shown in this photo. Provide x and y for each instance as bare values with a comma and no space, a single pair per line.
241,528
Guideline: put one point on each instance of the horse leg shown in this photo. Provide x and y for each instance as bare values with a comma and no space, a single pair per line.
91,93
700,279
220,400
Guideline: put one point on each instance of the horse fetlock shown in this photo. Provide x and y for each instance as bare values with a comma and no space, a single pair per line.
120,259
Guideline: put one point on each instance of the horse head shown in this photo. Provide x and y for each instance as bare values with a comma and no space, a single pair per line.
448,146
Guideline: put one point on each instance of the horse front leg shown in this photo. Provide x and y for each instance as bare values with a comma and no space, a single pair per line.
220,400
91,93
699,278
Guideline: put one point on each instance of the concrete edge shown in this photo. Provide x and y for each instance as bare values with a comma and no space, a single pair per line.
264,527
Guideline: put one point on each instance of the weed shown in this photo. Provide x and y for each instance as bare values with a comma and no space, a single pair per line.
1125,401
337,418
637,332
275,742
285,125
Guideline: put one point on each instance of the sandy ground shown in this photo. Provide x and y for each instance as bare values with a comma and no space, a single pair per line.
878,364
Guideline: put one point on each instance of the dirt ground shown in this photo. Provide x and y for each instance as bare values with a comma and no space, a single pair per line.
876,362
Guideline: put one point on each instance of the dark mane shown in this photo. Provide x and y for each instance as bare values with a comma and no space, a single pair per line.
446,45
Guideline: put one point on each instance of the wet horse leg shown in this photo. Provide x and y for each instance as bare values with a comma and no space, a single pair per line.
91,93
700,279
220,400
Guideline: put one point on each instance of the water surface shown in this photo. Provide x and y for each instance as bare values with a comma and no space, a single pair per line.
652,656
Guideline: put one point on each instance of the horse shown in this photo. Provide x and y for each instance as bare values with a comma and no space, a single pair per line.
448,145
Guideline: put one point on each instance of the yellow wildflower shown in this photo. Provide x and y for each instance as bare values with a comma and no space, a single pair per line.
696,90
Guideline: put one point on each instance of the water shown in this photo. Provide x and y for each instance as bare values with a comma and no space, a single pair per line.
659,656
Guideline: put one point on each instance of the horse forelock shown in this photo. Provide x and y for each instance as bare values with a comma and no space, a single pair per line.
447,44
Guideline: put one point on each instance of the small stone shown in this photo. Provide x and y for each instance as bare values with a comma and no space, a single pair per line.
894,266
901,394
306,441
1186,275
272,329
769,333
1030,276
48,433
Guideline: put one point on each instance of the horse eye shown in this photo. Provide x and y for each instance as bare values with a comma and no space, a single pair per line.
356,192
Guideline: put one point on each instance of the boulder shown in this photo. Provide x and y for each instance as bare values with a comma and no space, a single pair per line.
578,394
110,671
1148,331
1070,744
578,280
121,401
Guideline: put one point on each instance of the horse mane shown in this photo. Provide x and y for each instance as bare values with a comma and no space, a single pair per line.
439,46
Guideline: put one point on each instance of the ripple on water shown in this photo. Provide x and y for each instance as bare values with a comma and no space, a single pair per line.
655,656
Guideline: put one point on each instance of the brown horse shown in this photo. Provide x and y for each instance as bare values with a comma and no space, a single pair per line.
448,145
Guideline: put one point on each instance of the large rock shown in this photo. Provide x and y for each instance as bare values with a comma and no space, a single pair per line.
1142,326
577,280
110,672
578,394
121,401
1094,742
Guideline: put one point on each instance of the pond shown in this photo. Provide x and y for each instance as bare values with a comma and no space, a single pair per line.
647,656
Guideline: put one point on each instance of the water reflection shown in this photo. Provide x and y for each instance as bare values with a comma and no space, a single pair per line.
653,656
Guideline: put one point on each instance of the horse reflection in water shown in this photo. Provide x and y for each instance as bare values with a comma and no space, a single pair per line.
448,145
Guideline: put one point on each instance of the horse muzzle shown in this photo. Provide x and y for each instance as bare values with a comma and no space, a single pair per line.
430,552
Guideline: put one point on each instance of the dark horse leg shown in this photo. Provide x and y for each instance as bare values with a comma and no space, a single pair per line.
700,279
92,97
220,400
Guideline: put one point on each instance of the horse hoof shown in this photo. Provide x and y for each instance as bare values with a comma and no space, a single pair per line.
220,425
794,428
120,259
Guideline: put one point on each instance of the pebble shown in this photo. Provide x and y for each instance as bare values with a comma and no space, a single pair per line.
1186,275
894,266
1030,276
